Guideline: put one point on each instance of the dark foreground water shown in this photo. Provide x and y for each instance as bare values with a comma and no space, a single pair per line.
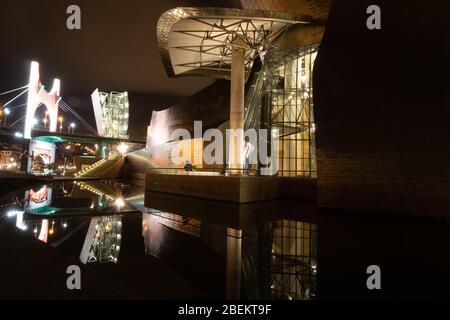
181,248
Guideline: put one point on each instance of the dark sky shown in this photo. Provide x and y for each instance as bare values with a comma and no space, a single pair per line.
116,49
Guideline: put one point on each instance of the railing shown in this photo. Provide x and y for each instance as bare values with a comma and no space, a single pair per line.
90,168
203,172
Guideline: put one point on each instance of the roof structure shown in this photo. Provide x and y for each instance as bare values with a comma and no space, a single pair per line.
199,41
317,9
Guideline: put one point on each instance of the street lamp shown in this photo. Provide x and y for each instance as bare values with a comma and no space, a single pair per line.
61,123
72,125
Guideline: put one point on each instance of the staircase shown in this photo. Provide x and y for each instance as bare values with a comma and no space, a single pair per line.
108,168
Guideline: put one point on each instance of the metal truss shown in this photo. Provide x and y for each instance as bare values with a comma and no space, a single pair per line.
281,96
112,113
106,245
209,35
217,42
292,260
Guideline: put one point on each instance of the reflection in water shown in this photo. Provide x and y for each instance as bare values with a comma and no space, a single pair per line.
186,246
234,263
222,258
153,233
46,209
279,260
43,235
76,198
275,261
292,265
37,201
19,220
187,225
103,239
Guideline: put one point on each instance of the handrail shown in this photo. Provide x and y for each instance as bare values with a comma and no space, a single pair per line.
203,171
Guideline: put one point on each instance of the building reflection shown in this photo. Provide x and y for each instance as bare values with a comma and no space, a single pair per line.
103,240
43,234
37,200
234,264
45,211
275,260
292,260
177,222
189,246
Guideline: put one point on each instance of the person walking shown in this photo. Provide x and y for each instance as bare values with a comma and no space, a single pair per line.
248,149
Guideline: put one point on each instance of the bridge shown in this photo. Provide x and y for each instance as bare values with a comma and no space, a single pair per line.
56,137
111,116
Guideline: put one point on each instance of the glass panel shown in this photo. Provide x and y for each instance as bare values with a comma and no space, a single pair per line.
280,96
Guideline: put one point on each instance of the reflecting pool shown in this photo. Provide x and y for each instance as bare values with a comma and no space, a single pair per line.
157,246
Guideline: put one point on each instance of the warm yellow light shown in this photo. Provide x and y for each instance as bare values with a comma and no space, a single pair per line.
122,148
119,202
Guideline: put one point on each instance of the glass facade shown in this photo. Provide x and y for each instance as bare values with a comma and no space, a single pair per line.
105,246
112,113
293,260
280,97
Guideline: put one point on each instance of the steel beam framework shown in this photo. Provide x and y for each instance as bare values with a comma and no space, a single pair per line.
111,112
211,33
217,56
291,267
106,245
281,97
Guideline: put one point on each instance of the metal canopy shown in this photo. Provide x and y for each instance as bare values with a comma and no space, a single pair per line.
199,41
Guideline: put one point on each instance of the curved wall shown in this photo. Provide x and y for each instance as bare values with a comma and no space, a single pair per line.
382,107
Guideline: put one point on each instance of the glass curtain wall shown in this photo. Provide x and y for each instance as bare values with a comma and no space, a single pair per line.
291,266
280,97
115,113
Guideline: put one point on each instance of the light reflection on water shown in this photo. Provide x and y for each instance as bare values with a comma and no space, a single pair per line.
46,211
277,260
92,212
272,250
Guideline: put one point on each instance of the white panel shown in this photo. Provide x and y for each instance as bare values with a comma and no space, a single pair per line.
98,112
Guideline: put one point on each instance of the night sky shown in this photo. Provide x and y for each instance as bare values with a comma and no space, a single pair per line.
116,49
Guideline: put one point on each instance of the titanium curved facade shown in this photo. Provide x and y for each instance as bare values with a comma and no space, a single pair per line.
199,41
280,50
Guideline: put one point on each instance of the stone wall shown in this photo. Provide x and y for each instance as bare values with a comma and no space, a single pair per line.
382,108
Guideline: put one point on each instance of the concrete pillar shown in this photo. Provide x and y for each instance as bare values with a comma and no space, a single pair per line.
237,95
234,259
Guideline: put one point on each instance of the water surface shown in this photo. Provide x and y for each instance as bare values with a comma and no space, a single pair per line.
169,247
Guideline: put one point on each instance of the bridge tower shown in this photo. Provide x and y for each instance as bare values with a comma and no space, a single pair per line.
37,95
